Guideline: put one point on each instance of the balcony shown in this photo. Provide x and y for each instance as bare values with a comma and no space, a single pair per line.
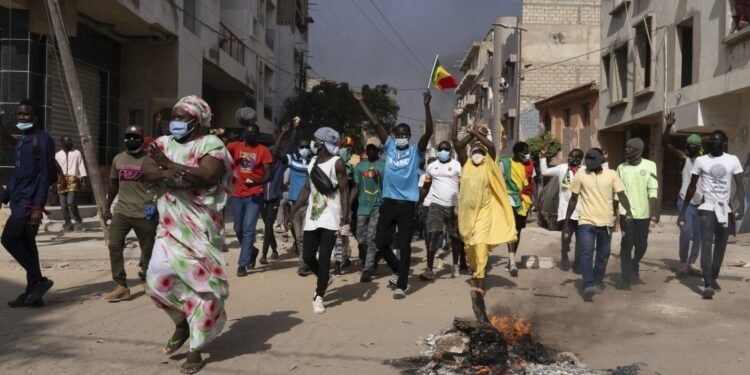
468,102
231,44
467,81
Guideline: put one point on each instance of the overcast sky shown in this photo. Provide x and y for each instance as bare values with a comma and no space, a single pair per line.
346,47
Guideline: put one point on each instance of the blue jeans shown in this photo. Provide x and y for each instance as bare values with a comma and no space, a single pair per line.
246,211
590,239
690,231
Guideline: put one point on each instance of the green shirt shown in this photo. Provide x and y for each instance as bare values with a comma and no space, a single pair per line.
641,184
369,177
133,195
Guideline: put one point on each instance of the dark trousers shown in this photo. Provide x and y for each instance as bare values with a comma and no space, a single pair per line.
573,225
634,236
595,248
269,213
396,215
714,238
19,238
69,207
320,242
145,231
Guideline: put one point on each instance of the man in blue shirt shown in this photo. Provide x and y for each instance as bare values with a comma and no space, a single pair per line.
400,193
298,162
27,194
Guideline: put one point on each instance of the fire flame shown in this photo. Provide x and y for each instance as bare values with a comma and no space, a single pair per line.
512,328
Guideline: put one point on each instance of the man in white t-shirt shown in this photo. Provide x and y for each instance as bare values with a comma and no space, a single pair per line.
714,172
565,174
441,182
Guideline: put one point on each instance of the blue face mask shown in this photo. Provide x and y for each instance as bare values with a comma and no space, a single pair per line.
179,129
305,153
444,155
23,126
402,142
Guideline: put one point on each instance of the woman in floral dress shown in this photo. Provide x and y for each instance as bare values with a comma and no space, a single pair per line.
186,275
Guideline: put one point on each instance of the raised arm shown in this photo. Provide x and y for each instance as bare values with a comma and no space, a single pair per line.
343,191
276,150
669,120
486,142
459,145
382,134
424,141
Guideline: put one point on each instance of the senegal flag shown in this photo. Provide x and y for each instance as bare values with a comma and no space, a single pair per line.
441,78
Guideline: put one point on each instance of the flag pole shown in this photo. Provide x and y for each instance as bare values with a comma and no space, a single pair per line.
429,80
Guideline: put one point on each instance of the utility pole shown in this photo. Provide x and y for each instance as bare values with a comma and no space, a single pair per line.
76,97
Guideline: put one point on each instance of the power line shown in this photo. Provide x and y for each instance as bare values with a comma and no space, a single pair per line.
374,25
396,32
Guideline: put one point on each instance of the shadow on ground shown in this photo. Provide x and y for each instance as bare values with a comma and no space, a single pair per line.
250,334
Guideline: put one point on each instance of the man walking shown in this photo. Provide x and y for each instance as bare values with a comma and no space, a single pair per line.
72,181
519,174
441,179
26,194
131,212
565,174
596,187
368,190
252,170
642,188
272,195
715,172
400,193
691,231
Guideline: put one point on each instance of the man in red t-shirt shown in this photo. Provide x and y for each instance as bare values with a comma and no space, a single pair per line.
252,170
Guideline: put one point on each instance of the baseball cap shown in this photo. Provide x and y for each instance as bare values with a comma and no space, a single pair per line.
137,130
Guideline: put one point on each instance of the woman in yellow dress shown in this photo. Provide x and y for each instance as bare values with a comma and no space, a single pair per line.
485,216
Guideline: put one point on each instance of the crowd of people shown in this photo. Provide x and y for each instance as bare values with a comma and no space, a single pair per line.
172,193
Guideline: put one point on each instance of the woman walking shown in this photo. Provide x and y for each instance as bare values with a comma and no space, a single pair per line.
186,275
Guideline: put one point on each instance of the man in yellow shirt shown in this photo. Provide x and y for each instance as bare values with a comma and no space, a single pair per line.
596,187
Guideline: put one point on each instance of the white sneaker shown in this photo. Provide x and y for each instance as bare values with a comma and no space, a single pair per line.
317,303
393,280
456,271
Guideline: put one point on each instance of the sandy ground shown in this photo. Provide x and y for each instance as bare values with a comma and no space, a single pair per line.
272,329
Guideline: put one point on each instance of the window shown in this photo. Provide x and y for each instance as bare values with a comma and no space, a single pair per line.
684,57
567,117
643,66
188,15
586,115
606,61
620,71
250,100
547,123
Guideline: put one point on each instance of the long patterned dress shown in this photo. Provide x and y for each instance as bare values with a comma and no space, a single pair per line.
186,274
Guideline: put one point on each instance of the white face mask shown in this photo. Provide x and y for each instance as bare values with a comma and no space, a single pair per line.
402,142
526,157
314,148
24,125
477,159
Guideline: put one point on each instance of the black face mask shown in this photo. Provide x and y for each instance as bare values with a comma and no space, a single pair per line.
133,144
67,146
373,154
251,139
692,150
715,147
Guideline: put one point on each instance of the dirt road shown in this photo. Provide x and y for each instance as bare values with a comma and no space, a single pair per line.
272,329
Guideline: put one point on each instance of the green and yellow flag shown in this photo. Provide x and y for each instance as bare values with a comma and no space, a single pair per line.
441,78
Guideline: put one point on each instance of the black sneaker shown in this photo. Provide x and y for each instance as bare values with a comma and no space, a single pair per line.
427,275
347,263
241,271
263,260
39,290
67,227
715,286
337,269
20,301
366,277
303,271
274,256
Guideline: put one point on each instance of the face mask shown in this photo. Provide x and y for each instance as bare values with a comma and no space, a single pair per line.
22,126
179,129
345,154
693,150
305,153
477,159
444,155
133,144
402,142
715,147
314,148
526,157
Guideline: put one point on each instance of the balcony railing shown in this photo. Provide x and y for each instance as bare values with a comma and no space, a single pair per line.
231,44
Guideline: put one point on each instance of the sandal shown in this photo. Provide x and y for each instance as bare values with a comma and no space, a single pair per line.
174,345
191,368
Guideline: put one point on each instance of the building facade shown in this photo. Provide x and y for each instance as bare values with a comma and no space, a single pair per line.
683,56
544,52
474,91
134,59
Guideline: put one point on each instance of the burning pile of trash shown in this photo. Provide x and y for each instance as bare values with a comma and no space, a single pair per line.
505,346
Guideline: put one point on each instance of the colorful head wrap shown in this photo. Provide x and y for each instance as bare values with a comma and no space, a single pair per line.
196,107
694,138
330,138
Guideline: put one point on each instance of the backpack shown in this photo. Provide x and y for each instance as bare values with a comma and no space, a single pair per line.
52,173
